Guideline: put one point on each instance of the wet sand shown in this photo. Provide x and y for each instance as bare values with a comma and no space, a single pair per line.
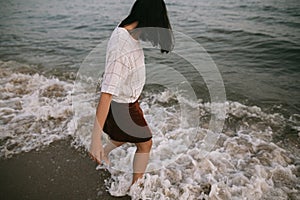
56,172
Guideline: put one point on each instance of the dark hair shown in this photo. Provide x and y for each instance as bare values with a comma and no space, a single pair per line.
153,22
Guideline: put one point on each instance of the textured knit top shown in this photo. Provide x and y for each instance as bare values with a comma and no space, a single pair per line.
124,75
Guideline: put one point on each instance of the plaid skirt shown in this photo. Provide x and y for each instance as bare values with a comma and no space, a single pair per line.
125,122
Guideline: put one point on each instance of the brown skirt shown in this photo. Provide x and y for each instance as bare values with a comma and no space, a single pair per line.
125,122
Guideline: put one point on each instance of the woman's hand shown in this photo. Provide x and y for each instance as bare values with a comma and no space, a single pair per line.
96,149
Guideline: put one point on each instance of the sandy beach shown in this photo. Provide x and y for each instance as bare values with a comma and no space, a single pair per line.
55,172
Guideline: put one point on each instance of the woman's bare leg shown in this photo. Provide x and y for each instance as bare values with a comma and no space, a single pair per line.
141,159
111,145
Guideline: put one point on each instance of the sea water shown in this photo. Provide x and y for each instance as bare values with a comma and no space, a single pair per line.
255,45
245,163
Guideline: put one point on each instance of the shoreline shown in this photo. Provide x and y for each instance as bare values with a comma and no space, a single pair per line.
57,171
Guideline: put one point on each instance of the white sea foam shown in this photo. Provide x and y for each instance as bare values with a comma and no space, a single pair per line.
34,110
245,163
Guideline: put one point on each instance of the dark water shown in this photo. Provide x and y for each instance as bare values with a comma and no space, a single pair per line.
255,44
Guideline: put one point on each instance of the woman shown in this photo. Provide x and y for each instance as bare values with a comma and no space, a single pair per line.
118,112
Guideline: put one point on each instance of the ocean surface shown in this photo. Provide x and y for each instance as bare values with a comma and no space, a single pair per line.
255,46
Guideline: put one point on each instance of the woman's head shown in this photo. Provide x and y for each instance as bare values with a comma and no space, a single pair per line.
153,22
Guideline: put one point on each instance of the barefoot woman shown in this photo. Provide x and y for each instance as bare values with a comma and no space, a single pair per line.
118,113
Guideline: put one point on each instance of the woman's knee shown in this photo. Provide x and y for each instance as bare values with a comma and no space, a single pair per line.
144,146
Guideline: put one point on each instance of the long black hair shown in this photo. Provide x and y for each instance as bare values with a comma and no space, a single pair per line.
153,22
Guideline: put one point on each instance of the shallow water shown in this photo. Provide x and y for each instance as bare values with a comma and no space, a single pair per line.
246,162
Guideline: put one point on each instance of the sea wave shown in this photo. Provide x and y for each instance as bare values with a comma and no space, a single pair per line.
245,163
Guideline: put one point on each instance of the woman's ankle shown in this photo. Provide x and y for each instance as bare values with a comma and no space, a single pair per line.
136,177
